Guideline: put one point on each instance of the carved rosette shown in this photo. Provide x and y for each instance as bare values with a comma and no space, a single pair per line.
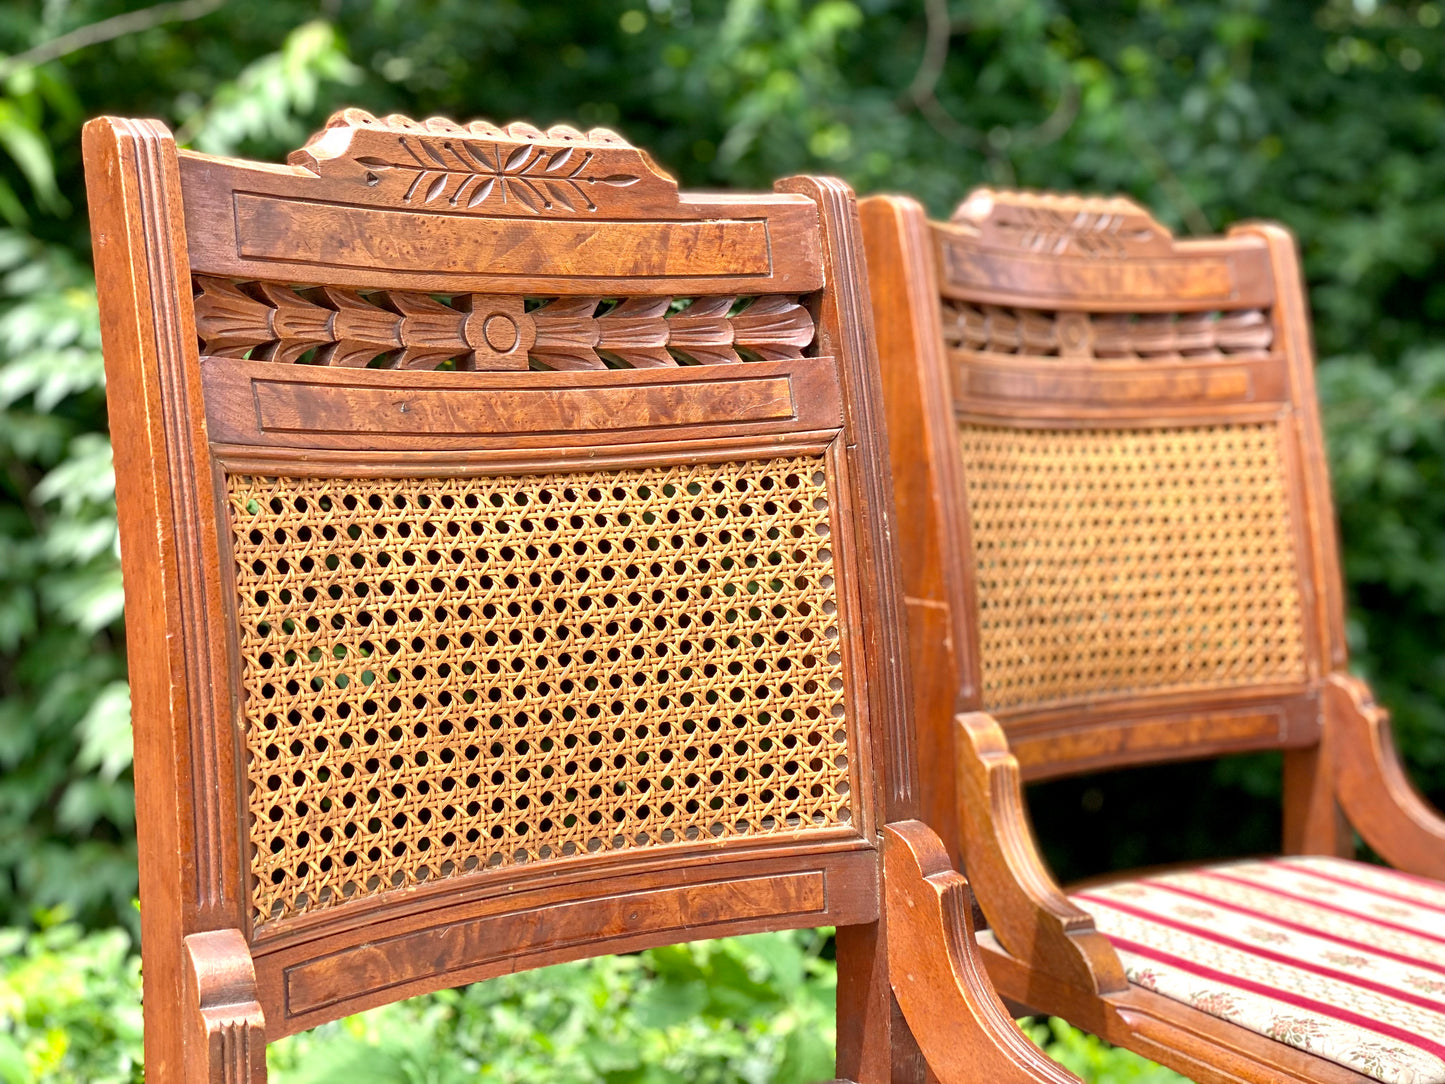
513,170
402,329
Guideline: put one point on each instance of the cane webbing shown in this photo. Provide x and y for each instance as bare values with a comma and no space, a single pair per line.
448,674
1121,561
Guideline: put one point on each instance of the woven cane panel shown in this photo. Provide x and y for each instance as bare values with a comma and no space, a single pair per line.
443,675
1112,562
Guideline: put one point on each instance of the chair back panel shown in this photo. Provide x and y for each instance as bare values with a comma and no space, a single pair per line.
532,609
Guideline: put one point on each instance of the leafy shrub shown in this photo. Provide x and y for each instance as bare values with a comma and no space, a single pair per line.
69,1007
1387,445
1324,114
749,1010
67,807
1094,1060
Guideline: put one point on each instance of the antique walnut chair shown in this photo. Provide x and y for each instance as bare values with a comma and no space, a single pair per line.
1117,548
508,581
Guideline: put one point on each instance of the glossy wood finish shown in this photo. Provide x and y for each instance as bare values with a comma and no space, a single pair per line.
423,331
1039,315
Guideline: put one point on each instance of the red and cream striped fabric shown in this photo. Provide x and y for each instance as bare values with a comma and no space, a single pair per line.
1341,959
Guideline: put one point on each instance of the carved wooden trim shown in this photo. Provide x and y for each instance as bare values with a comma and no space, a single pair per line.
938,974
1027,911
409,330
517,169
228,1029
1191,336
1054,224
1376,794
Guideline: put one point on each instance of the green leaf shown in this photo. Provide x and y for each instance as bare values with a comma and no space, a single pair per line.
24,142
13,1067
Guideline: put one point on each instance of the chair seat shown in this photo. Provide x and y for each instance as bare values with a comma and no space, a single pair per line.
1340,959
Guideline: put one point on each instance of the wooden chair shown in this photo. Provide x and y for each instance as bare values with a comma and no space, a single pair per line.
508,580
1118,548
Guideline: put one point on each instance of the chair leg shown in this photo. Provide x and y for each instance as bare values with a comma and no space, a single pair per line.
874,1043
1313,820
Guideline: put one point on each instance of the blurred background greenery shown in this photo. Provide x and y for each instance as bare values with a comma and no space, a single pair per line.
1325,114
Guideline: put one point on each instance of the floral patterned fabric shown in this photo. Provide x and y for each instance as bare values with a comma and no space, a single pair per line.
1340,959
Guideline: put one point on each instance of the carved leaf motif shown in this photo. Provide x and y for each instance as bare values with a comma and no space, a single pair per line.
229,322
703,333
470,171
774,328
430,152
483,190
517,159
559,194
637,331
476,155
525,193
567,332
1064,225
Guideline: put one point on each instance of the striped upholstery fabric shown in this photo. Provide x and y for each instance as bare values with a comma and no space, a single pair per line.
1341,959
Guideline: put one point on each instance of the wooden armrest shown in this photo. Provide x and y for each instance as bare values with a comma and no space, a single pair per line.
1376,795
1026,909
961,1027
226,1039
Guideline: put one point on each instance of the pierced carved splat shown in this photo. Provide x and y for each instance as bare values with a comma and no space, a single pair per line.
1063,225
1243,333
408,330
516,169
345,328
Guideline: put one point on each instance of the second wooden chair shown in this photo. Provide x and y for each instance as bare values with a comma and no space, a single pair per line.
1118,549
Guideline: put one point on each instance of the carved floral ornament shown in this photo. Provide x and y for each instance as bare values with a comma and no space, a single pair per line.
1091,227
404,329
518,169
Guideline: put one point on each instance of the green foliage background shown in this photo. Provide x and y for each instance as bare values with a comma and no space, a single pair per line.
1325,114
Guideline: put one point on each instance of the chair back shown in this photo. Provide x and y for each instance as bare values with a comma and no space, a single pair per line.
1114,511
505,558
